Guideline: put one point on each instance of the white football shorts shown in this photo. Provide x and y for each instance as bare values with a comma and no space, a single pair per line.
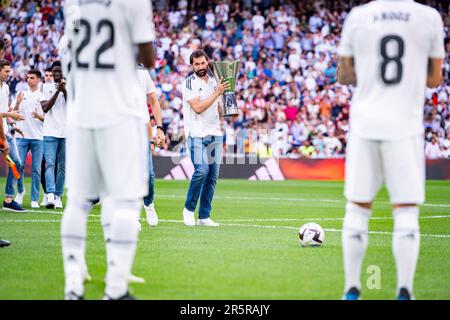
108,162
400,164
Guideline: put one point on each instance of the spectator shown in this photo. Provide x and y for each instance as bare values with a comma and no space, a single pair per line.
432,149
30,108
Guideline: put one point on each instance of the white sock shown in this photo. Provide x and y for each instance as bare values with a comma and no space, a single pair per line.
124,233
406,244
354,243
73,235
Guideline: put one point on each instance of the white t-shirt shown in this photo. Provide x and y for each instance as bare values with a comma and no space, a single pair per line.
207,122
4,104
432,151
55,119
103,77
391,42
147,86
32,128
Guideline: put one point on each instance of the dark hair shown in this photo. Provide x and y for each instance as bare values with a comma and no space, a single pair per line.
197,54
56,64
4,63
48,70
2,44
36,72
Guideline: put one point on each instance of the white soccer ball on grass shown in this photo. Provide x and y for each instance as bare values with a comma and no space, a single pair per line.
311,235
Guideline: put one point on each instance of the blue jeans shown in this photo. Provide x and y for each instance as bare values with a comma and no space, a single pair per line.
37,150
151,181
10,180
55,154
206,155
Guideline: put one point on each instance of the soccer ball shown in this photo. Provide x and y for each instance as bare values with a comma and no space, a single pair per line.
311,235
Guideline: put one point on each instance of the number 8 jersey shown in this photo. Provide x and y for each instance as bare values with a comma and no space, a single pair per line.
391,42
102,35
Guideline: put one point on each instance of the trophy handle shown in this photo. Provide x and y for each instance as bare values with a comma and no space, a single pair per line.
211,67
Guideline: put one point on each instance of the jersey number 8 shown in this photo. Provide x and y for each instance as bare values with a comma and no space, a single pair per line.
396,58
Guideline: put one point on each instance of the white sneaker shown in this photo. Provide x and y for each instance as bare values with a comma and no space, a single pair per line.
152,217
34,204
207,222
188,218
19,197
50,201
58,202
44,200
135,279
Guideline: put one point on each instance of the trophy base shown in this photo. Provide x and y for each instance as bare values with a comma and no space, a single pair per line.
230,107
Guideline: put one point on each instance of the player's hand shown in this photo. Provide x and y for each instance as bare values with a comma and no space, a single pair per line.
222,87
36,115
4,147
160,138
19,97
15,115
62,86
19,131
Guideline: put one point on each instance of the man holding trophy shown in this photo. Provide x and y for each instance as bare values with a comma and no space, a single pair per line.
202,129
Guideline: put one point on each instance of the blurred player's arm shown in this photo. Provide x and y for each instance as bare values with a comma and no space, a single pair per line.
140,17
346,71
147,55
434,77
437,51
346,63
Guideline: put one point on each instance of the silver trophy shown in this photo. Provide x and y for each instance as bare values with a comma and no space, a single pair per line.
227,71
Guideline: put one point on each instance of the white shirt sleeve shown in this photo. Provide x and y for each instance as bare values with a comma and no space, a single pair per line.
140,19
345,48
189,90
437,37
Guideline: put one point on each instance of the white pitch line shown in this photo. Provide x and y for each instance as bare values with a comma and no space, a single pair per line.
323,219
328,230
247,220
246,226
295,200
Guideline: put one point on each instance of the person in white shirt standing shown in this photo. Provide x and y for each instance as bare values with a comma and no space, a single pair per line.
54,97
6,115
28,104
204,137
149,92
391,51
103,116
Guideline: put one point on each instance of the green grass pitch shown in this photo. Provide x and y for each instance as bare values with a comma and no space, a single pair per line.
254,254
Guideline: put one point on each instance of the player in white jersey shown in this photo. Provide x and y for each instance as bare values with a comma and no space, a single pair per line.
391,50
103,119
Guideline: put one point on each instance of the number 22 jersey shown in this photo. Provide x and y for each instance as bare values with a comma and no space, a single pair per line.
102,35
391,42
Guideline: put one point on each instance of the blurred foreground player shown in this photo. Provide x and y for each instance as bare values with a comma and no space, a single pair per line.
391,50
5,150
103,117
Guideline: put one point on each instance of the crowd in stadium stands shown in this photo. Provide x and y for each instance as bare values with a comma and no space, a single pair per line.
290,102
